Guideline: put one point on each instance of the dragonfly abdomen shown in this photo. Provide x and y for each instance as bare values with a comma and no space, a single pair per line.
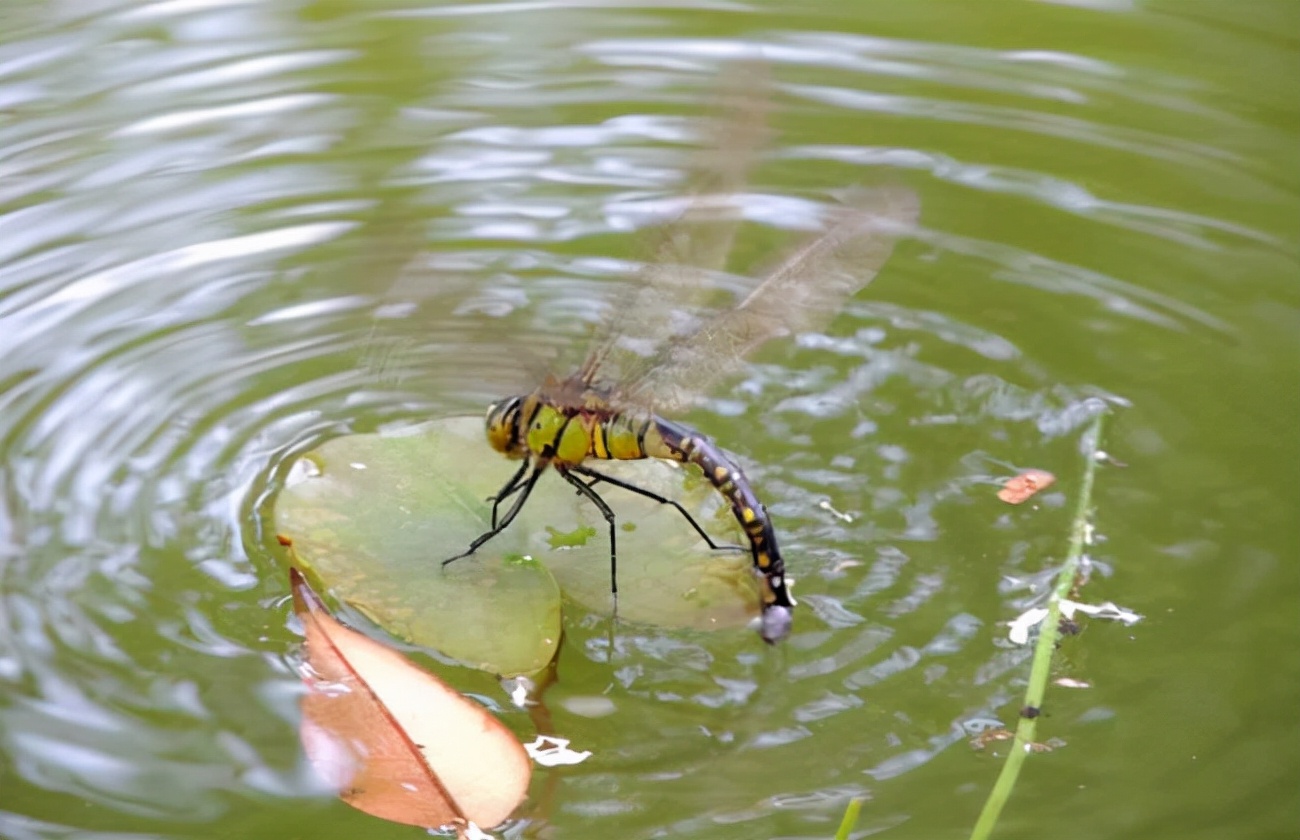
622,437
681,443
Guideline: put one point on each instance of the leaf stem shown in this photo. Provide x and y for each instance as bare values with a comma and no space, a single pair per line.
1048,635
850,818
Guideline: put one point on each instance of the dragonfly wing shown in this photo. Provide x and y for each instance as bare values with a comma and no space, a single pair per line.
720,171
670,293
800,294
439,331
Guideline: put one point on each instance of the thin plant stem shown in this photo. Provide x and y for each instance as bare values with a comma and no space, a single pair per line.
850,818
1048,635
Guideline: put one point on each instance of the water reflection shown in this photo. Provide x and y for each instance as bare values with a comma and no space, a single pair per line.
230,230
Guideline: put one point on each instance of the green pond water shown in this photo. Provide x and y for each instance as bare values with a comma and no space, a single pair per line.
232,231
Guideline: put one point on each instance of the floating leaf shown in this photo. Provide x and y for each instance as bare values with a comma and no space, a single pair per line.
395,741
1025,485
374,516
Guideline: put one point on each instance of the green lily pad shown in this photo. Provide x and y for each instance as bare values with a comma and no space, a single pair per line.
373,516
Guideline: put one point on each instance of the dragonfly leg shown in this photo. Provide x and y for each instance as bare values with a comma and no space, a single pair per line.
526,488
507,490
596,478
605,511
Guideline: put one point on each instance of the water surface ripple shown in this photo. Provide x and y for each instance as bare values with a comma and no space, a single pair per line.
230,231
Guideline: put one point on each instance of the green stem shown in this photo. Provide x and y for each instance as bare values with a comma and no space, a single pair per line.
1048,635
850,818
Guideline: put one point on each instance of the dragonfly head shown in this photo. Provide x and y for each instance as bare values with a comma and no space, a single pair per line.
503,431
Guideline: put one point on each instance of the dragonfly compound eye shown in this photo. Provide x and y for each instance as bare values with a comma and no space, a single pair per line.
502,424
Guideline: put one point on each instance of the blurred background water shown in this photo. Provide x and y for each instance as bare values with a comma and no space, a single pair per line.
230,230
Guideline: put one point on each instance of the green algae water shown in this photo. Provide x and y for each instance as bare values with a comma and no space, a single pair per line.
233,231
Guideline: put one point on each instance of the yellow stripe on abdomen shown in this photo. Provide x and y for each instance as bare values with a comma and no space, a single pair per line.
624,438
599,431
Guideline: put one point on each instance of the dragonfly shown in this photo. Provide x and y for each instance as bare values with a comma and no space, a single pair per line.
666,345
